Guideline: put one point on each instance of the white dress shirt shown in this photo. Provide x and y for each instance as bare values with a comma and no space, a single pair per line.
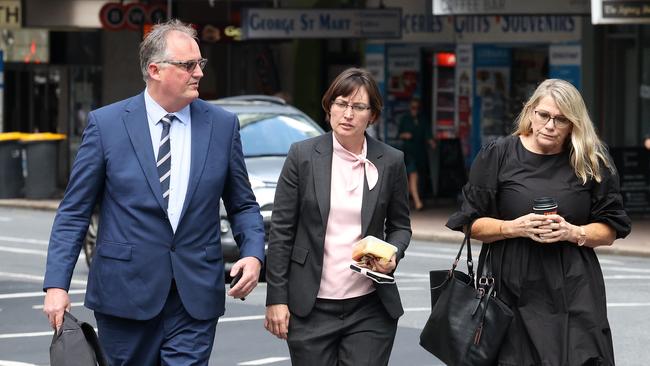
180,139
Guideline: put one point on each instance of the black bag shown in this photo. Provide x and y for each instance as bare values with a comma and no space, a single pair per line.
467,322
76,344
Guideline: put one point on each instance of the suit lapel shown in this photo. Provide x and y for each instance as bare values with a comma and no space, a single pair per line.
370,197
201,132
137,126
322,172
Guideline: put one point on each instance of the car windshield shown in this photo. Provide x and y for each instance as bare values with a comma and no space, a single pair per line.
265,134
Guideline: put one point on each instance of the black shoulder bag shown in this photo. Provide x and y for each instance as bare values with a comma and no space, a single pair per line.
76,344
467,322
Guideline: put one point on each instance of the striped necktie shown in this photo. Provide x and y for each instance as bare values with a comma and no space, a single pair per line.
164,162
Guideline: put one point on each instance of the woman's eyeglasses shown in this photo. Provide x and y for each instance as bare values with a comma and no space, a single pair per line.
189,65
558,121
356,107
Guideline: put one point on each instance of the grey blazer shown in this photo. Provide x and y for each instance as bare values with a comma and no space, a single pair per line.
299,222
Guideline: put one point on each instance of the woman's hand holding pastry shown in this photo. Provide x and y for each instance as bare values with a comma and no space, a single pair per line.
382,265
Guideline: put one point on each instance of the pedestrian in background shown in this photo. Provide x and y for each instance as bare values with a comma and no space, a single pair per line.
334,190
416,135
159,163
545,266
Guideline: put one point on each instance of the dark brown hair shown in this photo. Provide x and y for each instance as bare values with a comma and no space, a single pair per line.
347,83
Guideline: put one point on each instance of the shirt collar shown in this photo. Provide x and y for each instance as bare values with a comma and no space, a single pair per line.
156,112
346,154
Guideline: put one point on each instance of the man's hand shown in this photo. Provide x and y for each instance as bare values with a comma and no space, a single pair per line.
56,302
251,272
277,320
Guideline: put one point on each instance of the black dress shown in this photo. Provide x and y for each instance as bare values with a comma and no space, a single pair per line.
556,291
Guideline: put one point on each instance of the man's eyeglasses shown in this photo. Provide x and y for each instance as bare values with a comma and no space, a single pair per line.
189,65
558,121
356,107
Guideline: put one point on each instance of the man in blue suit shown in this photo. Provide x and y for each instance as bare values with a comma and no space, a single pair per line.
159,163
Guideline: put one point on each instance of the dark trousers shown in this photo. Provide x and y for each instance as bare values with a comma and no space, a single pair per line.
173,337
354,332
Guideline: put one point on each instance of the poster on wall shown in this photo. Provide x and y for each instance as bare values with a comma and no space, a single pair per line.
375,64
491,90
402,84
564,63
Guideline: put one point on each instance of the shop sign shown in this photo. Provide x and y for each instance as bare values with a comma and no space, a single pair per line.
133,16
517,28
501,7
420,26
321,23
10,14
620,11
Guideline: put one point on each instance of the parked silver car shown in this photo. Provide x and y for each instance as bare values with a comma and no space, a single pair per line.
268,127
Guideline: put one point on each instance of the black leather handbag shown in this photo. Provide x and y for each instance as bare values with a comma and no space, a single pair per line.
467,322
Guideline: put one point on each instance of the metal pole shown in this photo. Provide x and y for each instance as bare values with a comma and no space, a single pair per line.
169,9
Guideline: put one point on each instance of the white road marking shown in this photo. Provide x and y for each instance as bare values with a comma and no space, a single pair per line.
14,363
259,317
13,239
5,219
423,288
28,277
73,304
409,274
450,257
22,295
417,309
627,304
626,269
627,277
49,333
410,280
240,318
26,335
609,261
264,361
42,253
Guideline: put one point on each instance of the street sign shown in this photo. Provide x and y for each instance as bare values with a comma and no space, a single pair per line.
266,23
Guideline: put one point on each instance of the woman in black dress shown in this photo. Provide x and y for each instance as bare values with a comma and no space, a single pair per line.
545,266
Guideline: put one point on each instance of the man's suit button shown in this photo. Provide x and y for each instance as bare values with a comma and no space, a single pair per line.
173,248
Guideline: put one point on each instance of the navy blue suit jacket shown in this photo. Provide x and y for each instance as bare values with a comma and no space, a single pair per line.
138,254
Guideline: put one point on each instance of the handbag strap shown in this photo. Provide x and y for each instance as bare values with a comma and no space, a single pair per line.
470,264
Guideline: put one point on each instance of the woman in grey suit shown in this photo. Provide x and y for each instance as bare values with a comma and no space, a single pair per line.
334,190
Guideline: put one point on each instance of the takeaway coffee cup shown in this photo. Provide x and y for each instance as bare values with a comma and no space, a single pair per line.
544,206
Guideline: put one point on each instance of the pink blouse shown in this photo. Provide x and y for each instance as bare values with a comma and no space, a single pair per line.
344,224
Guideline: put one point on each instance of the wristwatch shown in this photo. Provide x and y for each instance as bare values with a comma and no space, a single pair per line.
582,239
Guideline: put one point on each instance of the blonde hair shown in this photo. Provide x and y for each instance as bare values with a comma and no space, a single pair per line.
587,151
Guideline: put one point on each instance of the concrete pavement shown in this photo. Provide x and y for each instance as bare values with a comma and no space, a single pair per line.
429,224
